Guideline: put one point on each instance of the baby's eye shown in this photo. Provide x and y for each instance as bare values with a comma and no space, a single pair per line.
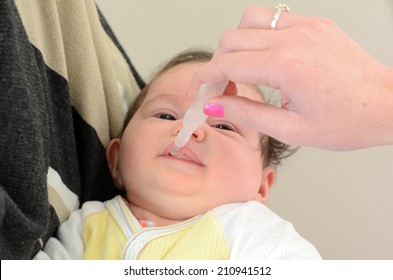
166,116
224,127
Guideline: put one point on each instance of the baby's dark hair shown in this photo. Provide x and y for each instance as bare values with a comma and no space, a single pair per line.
272,150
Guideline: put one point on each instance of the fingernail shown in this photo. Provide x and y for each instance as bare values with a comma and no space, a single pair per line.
214,110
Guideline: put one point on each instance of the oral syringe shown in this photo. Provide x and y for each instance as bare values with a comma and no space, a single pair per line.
194,116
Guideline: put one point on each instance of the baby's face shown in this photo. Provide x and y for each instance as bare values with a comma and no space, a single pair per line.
220,164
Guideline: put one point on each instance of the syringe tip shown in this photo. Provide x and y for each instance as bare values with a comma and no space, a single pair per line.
175,150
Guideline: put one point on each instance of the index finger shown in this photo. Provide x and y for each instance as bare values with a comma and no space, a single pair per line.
210,73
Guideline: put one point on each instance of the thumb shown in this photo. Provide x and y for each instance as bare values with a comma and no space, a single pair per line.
276,122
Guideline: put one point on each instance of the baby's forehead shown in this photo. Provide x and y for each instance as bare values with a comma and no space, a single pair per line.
246,90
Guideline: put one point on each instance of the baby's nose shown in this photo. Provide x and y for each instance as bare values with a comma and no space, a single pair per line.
197,135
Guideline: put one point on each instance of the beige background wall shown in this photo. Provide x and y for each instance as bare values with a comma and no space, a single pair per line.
341,201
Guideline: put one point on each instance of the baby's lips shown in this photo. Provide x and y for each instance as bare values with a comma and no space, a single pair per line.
184,153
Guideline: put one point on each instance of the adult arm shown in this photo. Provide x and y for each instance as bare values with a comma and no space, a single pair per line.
63,89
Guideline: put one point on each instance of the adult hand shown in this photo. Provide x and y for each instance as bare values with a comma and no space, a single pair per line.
334,95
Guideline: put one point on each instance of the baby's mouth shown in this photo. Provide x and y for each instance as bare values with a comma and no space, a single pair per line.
186,155
180,156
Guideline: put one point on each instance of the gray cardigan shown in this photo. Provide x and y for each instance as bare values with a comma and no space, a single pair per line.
51,115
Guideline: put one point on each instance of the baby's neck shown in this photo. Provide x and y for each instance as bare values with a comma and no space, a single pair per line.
148,218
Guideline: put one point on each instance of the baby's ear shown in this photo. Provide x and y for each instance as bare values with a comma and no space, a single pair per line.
268,177
112,159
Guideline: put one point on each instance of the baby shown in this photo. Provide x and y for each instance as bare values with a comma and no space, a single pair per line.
206,203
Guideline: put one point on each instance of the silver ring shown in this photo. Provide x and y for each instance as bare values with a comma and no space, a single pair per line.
279,9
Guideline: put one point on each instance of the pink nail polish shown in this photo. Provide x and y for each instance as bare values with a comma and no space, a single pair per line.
214,110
